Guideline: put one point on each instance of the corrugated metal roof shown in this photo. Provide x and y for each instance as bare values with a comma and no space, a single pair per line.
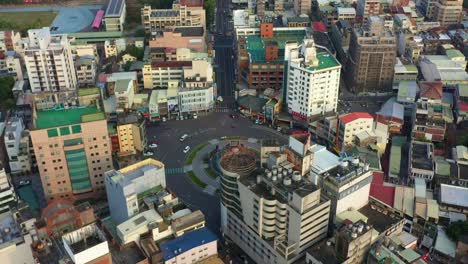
404,200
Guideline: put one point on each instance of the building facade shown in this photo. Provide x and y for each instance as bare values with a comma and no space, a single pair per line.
274,215
313,81
114,18
49,62
7,192
372,56
179,16
17,146
73,151
124,186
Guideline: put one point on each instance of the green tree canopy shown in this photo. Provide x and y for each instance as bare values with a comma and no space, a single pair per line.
209,6
457,229
7,100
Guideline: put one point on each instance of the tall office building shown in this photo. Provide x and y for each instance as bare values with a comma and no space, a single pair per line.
372,57
49,62
274,213
313,81
447,12
302,7
73,151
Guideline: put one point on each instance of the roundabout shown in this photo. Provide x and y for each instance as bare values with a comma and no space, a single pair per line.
189,175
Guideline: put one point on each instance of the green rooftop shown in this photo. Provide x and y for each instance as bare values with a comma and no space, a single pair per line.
256,44
326,60
88,91
64,117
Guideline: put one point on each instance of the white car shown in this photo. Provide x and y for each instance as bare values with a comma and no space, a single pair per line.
195,116
148,154
22,183
164,119
183,137
186,149
153,146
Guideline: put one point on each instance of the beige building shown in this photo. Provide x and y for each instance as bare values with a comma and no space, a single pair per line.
132,134
155,20
302,7
447,12
372,57
114,17
73,151
181,37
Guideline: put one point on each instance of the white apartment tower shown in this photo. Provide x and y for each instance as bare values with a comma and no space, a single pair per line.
17,146
49,62
313,80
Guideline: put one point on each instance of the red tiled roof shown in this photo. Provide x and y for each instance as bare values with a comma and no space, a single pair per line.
171,64
191,3
380,191
463,106
319,26
431,90
354,116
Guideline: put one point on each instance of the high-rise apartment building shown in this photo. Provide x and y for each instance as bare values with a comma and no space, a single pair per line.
313,81
49,62
274,214
372,56
73,151
302,7
180,15
447,12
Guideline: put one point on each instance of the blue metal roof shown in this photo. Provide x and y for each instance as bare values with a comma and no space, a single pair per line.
186,242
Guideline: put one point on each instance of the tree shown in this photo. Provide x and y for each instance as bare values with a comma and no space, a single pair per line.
209,6
127,65
135,52
7,99
457,229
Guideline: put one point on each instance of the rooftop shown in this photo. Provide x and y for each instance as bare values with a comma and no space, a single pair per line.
186,242
127,174
379,221
84,238
142,219
9,230
454,195
256,44
347,118
188,220
325,61
88,91
190,31
421,153
63,117
115,8
382,191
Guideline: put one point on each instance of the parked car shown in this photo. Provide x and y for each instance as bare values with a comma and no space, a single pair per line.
164,119
278,129
23,183
223,137
183,137
195,116
153,146
186,149
148,154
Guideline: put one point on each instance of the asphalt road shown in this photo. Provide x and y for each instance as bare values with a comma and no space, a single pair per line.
224,50
201,130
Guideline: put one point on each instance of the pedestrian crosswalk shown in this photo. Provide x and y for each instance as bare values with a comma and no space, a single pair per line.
174,170
222,110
